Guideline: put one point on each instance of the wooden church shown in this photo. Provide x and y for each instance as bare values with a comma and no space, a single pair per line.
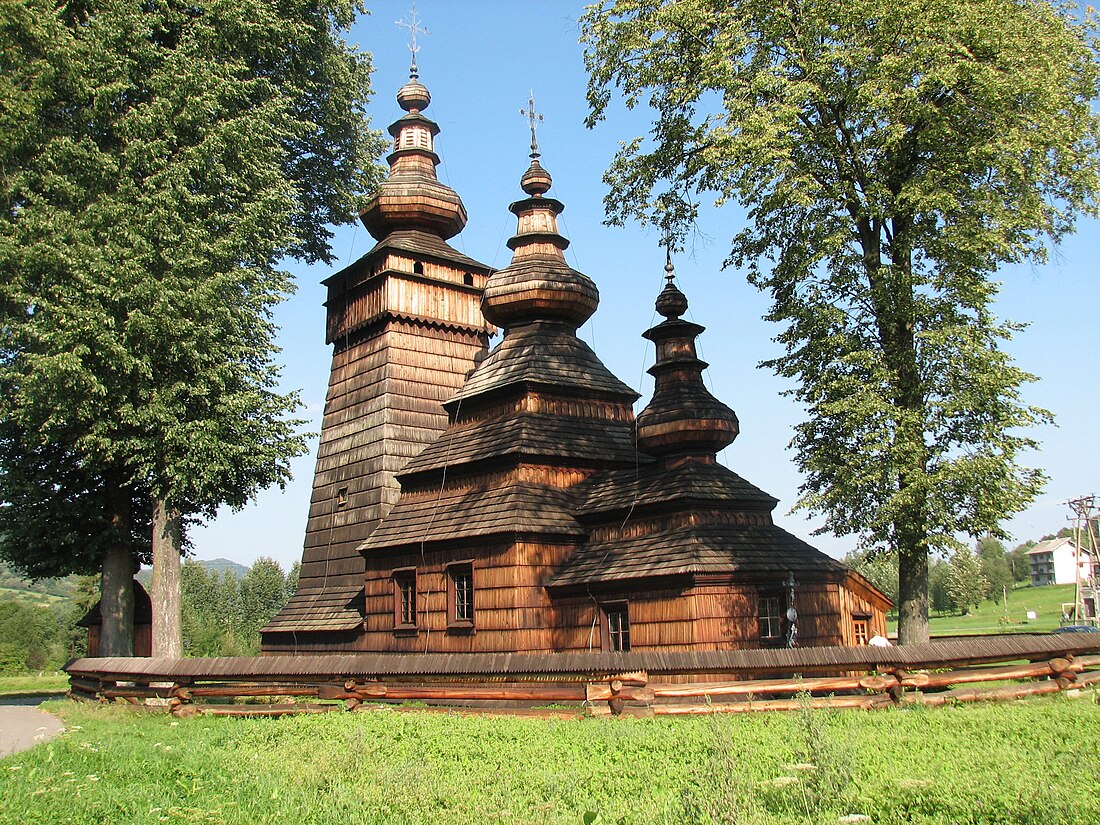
509,500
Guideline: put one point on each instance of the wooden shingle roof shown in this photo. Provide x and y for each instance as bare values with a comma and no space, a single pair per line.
691,482
426,244
543,353
320,607
530,435
752,551
465,513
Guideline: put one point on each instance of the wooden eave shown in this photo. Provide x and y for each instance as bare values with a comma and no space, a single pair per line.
581,664
320,609
416,242
746,552
514,510
545,354
649,485
531,436
858,584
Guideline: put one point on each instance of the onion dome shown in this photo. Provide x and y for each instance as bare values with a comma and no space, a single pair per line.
412,196
538,285
683,418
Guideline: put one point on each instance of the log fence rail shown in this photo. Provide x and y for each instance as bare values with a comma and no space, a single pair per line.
640,684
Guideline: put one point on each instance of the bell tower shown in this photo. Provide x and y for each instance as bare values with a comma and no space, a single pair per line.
405,325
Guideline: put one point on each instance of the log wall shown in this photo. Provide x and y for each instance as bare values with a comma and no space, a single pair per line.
512,611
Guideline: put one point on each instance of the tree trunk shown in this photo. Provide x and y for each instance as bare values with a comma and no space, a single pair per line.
116,603
912,594
893,296
167,543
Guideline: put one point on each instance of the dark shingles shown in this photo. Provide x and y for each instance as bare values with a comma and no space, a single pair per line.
458,514
546,354
649,484
320,608
530,435
716,548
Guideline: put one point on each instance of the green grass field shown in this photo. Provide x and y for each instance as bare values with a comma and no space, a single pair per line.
993,617
34,683
1024,762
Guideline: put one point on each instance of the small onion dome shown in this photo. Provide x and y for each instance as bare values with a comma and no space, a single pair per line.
416,201
536,180
539,289
538,285
412,196
671,303
413,96
683,418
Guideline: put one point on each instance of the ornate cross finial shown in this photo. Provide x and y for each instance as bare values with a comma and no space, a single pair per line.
412,23
670,270
533,119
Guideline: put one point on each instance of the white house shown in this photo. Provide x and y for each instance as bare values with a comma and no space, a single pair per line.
1053,560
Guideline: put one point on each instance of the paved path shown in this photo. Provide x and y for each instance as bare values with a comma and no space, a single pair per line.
23,727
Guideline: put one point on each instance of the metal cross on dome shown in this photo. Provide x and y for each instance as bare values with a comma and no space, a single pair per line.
534,119
412,23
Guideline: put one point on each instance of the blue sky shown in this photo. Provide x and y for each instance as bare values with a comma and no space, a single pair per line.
480,61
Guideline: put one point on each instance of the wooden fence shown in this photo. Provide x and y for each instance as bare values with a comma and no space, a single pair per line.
958,670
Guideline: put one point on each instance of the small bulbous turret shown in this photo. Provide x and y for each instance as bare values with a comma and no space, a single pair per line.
412,196
538,285
683,418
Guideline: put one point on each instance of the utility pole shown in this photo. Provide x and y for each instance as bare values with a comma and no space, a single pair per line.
1085,519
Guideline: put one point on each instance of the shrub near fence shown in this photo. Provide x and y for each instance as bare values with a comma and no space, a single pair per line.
957,670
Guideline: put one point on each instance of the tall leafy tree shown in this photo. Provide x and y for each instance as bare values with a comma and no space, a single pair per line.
158,161
995,568
965,582
891,155
263,594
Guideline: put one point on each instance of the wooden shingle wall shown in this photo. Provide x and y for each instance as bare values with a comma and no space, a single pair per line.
396,358
512,611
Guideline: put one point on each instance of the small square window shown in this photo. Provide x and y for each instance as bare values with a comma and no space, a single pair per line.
460,596
404,599
617,624
771,618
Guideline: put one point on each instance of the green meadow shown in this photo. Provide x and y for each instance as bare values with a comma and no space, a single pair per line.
1007,616
49,681
1024,762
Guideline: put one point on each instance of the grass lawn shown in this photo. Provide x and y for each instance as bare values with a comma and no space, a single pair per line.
1023,762
994,617
33,683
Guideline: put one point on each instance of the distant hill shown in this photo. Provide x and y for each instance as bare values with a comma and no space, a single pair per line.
145,576
221,565
54,588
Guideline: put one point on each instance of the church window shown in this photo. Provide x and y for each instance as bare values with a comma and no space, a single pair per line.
617,623
860,633
460,595
404,598
418,268
772,607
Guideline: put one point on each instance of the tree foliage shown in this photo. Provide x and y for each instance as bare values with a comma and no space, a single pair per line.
965,582
157,161
222,615
995,568
891,154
